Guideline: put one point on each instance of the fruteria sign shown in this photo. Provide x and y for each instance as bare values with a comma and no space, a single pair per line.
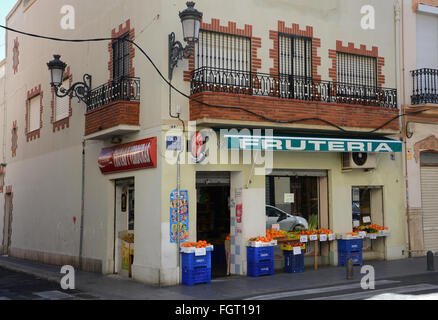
310,144
135,155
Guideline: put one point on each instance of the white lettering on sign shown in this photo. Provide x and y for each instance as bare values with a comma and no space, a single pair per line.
272,144
383,147
317,144
300,148
356,146
248,143
336,146
134,155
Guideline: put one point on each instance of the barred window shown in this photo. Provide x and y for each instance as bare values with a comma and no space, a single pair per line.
295,56
121,57
356,70
223,51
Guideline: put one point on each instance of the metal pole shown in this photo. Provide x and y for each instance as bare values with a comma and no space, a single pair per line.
350,273
430,266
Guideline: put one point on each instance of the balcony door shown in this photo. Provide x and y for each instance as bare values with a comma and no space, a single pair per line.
121,68
295,66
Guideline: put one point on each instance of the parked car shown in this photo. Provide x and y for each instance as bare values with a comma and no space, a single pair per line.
286,221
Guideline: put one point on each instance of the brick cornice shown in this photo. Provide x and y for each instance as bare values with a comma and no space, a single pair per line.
14,138
32,94
231,28
294,30
63,123
15,55
123,29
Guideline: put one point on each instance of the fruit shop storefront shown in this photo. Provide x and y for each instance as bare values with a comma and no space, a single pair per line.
308,192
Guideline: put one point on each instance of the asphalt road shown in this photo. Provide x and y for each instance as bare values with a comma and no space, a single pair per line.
20,286
419,287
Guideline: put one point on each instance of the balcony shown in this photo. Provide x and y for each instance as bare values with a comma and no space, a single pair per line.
289,98
425,84
113,109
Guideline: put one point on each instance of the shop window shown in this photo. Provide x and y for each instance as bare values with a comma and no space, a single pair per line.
295,195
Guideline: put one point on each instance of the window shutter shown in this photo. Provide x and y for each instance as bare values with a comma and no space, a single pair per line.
62,105
34,113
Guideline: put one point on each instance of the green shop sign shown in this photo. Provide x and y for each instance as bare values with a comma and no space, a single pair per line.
311,144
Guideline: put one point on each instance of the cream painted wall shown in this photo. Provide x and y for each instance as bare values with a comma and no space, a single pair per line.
44,204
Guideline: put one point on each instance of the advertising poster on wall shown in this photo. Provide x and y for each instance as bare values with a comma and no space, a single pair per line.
183,216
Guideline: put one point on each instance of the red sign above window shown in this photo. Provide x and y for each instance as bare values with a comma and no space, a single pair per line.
130,156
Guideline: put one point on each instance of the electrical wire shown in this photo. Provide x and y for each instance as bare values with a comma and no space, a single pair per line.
260,116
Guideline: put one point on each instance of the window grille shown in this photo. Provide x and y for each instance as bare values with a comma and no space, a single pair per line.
121,57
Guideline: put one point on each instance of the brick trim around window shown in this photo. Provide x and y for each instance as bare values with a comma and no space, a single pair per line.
15,55
63,123
32,94
14,138
123,29
294,30
362,50
231,28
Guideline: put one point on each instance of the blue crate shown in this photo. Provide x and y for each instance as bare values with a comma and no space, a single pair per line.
352,245
263,268
189,261
293,263
355,256
256,255
196,276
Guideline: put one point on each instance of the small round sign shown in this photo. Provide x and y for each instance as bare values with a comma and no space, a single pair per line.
197,147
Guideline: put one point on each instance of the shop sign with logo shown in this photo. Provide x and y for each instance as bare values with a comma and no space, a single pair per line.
135,155
273,143
198,147
183,204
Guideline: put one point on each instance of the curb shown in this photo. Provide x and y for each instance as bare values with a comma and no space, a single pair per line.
30,271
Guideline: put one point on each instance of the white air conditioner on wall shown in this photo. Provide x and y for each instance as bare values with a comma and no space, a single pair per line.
358,160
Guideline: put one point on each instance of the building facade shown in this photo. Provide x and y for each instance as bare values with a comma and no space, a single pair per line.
292,104
420,126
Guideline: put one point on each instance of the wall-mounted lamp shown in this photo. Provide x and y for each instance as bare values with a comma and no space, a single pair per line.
191,23
79,90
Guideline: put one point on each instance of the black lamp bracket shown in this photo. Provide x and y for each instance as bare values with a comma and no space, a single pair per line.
79,90
177,52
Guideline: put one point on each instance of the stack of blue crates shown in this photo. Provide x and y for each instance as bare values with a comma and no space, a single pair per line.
350,249
260,261
293,263
196,269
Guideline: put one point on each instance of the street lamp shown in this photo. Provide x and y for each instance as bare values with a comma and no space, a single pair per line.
79,90
191,22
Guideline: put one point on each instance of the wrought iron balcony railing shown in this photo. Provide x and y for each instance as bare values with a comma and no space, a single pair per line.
290,87
125,89
425,86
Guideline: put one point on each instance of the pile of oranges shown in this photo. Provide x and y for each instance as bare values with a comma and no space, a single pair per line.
199,244
274,233
352,234
261,239
377,227
324,231
307,232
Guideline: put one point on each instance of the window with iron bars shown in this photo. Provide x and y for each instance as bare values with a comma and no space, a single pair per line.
223,59
295,66
121,57
356,76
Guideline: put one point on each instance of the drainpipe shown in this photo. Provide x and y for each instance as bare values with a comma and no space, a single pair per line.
81,239
403,122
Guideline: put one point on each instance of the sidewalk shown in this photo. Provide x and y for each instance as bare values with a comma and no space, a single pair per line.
232,288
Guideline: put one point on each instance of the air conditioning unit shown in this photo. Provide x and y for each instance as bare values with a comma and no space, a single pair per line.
358,160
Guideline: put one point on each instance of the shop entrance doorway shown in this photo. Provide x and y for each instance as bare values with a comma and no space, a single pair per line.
124,218
213,216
